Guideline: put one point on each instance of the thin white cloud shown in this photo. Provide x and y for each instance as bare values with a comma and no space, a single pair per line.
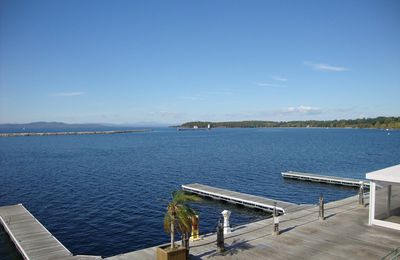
265,84
279,78
324,67
302,110
69,94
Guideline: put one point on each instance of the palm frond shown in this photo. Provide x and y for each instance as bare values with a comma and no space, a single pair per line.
184,221
180,197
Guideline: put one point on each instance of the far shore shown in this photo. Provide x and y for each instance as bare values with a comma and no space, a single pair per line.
287,127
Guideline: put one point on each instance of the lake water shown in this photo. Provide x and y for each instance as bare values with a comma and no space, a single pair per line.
107,194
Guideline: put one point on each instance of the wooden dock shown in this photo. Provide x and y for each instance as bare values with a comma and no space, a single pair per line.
31,238
243,199
325,179
344,234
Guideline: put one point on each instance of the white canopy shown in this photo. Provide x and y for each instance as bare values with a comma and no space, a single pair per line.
390,174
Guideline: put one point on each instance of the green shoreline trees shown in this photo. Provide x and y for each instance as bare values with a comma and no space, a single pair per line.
378,122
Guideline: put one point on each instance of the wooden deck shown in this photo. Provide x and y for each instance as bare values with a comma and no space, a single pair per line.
243,199
325,179
344,234
31,238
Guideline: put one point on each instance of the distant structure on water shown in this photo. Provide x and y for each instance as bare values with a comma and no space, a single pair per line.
195,127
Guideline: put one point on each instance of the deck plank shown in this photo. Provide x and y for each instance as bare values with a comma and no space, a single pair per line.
345,234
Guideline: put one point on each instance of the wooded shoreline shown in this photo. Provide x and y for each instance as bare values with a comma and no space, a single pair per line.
378,122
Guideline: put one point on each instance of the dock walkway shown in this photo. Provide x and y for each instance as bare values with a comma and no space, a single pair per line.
243,199
31,238
344,234
324,179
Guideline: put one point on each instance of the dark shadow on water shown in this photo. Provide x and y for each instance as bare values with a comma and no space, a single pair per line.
8,251
319,184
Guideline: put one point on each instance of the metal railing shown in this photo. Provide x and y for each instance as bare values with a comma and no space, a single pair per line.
394,255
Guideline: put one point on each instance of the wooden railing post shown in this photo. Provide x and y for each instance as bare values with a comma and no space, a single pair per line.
276,221
321,212
361,194
220,236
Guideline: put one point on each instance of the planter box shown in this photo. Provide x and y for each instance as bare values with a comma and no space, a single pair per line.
165,253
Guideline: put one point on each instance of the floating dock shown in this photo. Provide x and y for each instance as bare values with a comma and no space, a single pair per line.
31,238
325,179
243,199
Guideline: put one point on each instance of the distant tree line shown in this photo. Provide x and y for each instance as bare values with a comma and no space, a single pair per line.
378,122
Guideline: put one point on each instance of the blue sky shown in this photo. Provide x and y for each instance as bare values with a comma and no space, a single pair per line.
176,61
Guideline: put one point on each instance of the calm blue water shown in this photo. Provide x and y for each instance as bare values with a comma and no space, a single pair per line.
106,194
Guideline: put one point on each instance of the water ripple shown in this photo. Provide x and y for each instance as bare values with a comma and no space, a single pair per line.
106,194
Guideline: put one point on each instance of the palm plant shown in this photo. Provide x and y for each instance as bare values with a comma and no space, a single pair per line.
179,215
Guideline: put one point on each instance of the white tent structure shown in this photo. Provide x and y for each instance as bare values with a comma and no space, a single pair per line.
384,200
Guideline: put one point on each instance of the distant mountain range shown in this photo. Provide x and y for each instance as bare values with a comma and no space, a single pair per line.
49,125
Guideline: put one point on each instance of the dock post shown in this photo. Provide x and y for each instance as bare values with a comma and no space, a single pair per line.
185,243
388,200
220,236
276,221
195,228
227,228
321,212
361,194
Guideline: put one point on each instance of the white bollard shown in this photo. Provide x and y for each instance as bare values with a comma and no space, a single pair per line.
226,214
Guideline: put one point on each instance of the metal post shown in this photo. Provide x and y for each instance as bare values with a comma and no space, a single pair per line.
389,200
321,212
361,194
185,243
276,221
220,236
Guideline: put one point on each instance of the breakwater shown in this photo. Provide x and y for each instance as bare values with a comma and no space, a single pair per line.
74,133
